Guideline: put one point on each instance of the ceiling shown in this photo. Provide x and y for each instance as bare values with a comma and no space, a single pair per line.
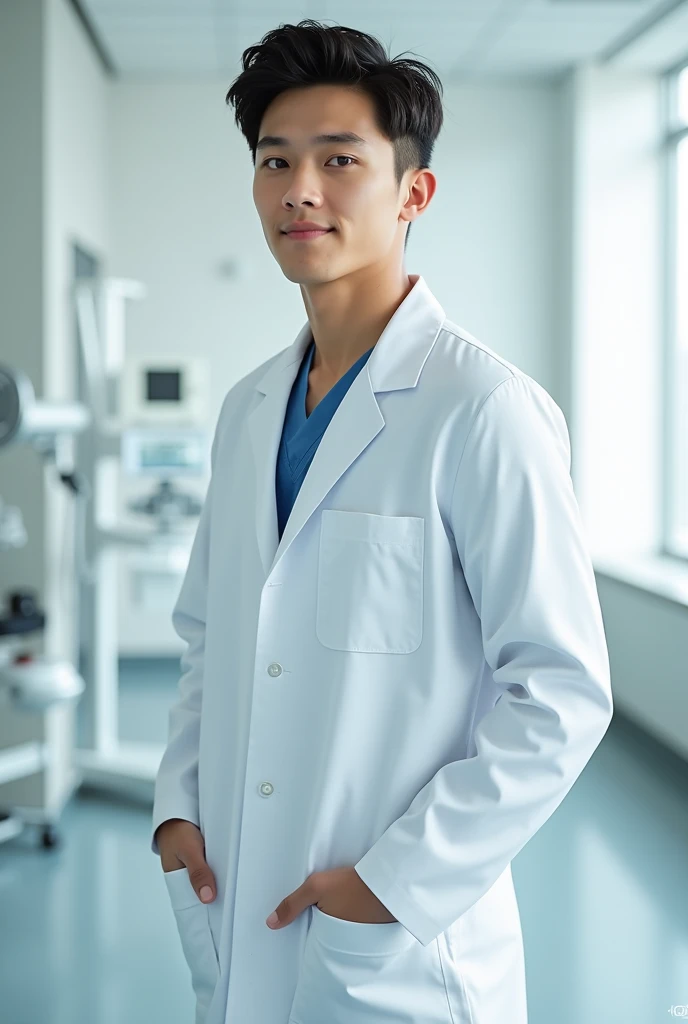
459,38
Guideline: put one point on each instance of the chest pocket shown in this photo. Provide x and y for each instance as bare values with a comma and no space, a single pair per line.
370,582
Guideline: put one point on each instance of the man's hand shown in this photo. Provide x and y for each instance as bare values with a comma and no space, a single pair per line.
340,893
181,844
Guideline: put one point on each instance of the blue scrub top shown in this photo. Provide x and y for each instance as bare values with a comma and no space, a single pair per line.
301,434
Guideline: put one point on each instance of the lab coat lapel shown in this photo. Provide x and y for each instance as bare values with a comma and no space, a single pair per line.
395,363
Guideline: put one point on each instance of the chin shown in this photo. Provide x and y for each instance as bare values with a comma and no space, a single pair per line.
305,276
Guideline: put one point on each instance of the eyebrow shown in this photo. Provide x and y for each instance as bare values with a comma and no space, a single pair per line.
316,140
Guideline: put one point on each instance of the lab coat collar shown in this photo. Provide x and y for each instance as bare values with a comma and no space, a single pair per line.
396,362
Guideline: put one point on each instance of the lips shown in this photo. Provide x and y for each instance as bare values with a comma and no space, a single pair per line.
307,235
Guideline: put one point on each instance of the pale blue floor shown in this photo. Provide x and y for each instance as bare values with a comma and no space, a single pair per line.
87,935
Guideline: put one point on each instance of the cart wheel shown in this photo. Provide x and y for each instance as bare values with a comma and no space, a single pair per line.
49,837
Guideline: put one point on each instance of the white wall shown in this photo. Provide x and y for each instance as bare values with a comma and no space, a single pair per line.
53,183
616,277
21,260
77,210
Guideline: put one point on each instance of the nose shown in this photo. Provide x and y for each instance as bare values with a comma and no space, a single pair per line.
302,191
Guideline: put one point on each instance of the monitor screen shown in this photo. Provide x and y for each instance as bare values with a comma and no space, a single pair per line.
163,385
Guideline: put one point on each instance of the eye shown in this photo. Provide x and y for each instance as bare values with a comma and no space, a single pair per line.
338,157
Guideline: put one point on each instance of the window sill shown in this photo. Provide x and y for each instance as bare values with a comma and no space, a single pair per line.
667,577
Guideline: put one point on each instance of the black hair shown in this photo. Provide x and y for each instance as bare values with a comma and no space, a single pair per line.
406,94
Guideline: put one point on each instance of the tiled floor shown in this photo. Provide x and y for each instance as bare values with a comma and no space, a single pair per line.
87,935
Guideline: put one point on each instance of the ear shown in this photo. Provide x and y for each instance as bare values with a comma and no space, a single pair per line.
420,190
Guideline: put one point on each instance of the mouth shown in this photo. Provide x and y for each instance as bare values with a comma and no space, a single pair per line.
304,236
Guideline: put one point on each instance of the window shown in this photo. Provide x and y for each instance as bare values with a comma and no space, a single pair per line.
676,315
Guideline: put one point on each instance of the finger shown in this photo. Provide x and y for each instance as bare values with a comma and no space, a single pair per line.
294,904
202,879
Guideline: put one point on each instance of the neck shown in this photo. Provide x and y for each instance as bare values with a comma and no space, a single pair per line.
347,316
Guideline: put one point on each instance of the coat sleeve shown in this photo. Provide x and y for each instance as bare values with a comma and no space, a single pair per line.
522,549
176,783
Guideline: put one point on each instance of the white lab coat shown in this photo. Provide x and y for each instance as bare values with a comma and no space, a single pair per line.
409,683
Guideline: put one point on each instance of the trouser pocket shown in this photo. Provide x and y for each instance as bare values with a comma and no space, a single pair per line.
196,937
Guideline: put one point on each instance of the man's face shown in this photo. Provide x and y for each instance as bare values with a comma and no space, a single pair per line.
350,188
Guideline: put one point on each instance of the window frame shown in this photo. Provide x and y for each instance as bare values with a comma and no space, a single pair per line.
673,545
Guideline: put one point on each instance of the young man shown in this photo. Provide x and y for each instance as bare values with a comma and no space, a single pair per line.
396,664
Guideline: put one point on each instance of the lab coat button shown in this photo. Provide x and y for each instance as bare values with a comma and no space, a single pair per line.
266,789
275,669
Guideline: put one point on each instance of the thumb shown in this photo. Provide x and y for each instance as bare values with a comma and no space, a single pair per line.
202,878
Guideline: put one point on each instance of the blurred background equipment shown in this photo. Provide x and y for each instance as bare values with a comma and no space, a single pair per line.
149,428
31,682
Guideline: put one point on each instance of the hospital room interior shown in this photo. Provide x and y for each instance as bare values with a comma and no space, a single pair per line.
136,289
